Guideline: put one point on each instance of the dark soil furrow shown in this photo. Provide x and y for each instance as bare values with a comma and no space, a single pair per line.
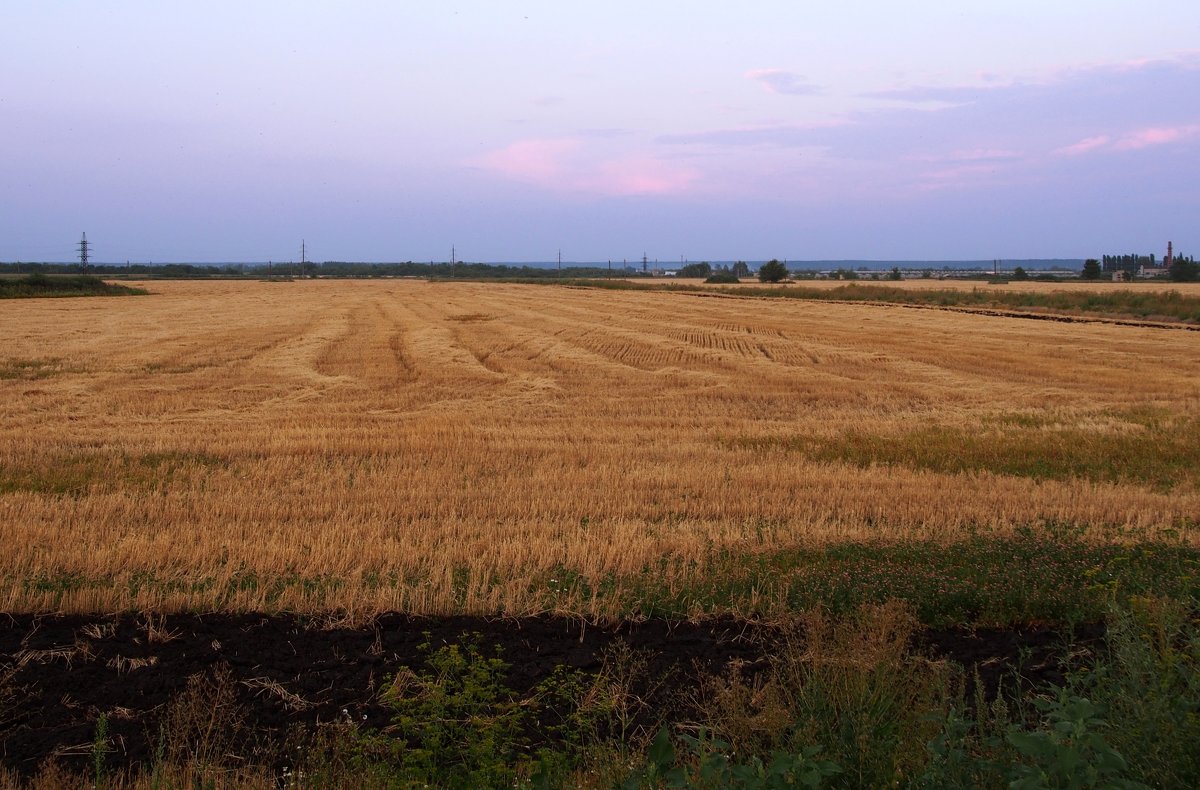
291,672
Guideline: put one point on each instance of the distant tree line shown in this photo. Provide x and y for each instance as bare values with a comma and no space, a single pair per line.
1183,267
39,284
1126,263
326,269
157,270
1131,263
465,271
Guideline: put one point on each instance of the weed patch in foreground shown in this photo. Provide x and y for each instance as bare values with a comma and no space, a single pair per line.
835,701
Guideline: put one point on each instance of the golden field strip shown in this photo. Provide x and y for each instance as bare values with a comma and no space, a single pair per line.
463,440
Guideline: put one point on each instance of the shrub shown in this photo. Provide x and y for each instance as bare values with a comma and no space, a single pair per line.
772,272
460,723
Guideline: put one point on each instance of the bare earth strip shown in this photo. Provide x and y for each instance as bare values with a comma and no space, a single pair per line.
440,447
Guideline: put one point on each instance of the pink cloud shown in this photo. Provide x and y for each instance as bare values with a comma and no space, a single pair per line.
970,155
956,176
1085,145
566,165
642,176
1132,141
534,161
1155,136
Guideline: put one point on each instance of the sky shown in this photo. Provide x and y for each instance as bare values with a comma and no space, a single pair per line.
386,131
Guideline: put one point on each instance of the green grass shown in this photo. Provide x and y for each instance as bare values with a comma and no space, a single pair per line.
29,369
1147,450
41,285
73,475
1033,577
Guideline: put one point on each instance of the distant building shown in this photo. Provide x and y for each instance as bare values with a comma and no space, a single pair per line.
1159,271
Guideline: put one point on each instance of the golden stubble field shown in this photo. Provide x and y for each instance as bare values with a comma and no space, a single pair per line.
439,447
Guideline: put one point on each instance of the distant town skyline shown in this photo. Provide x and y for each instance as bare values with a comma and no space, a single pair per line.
390,132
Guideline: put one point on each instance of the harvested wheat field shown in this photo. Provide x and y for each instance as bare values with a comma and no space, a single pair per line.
484,448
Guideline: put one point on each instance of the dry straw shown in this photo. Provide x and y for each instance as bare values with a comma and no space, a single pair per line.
446,447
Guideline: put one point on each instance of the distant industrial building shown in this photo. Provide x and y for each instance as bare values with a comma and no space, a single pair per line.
1128,267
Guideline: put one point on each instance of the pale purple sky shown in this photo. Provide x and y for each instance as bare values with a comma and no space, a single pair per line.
219,131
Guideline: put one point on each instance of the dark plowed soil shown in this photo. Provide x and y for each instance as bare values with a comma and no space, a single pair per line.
58,674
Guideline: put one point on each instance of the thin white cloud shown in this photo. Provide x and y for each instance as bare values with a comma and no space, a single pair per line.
780,81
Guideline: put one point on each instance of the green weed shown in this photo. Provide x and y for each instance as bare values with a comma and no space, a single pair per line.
29,369
74,475
1156,452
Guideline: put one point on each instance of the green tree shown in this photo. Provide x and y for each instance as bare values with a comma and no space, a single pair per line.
895,274
701,269
1184,271
740,269
772,272
1019,273
1091,269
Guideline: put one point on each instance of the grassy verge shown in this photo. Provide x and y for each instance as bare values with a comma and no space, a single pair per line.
41,285
983,580
1040,576
1119,303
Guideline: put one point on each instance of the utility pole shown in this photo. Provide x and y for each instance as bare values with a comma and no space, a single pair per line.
560,261
84,250
643,263
303,257
610,268
453,252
